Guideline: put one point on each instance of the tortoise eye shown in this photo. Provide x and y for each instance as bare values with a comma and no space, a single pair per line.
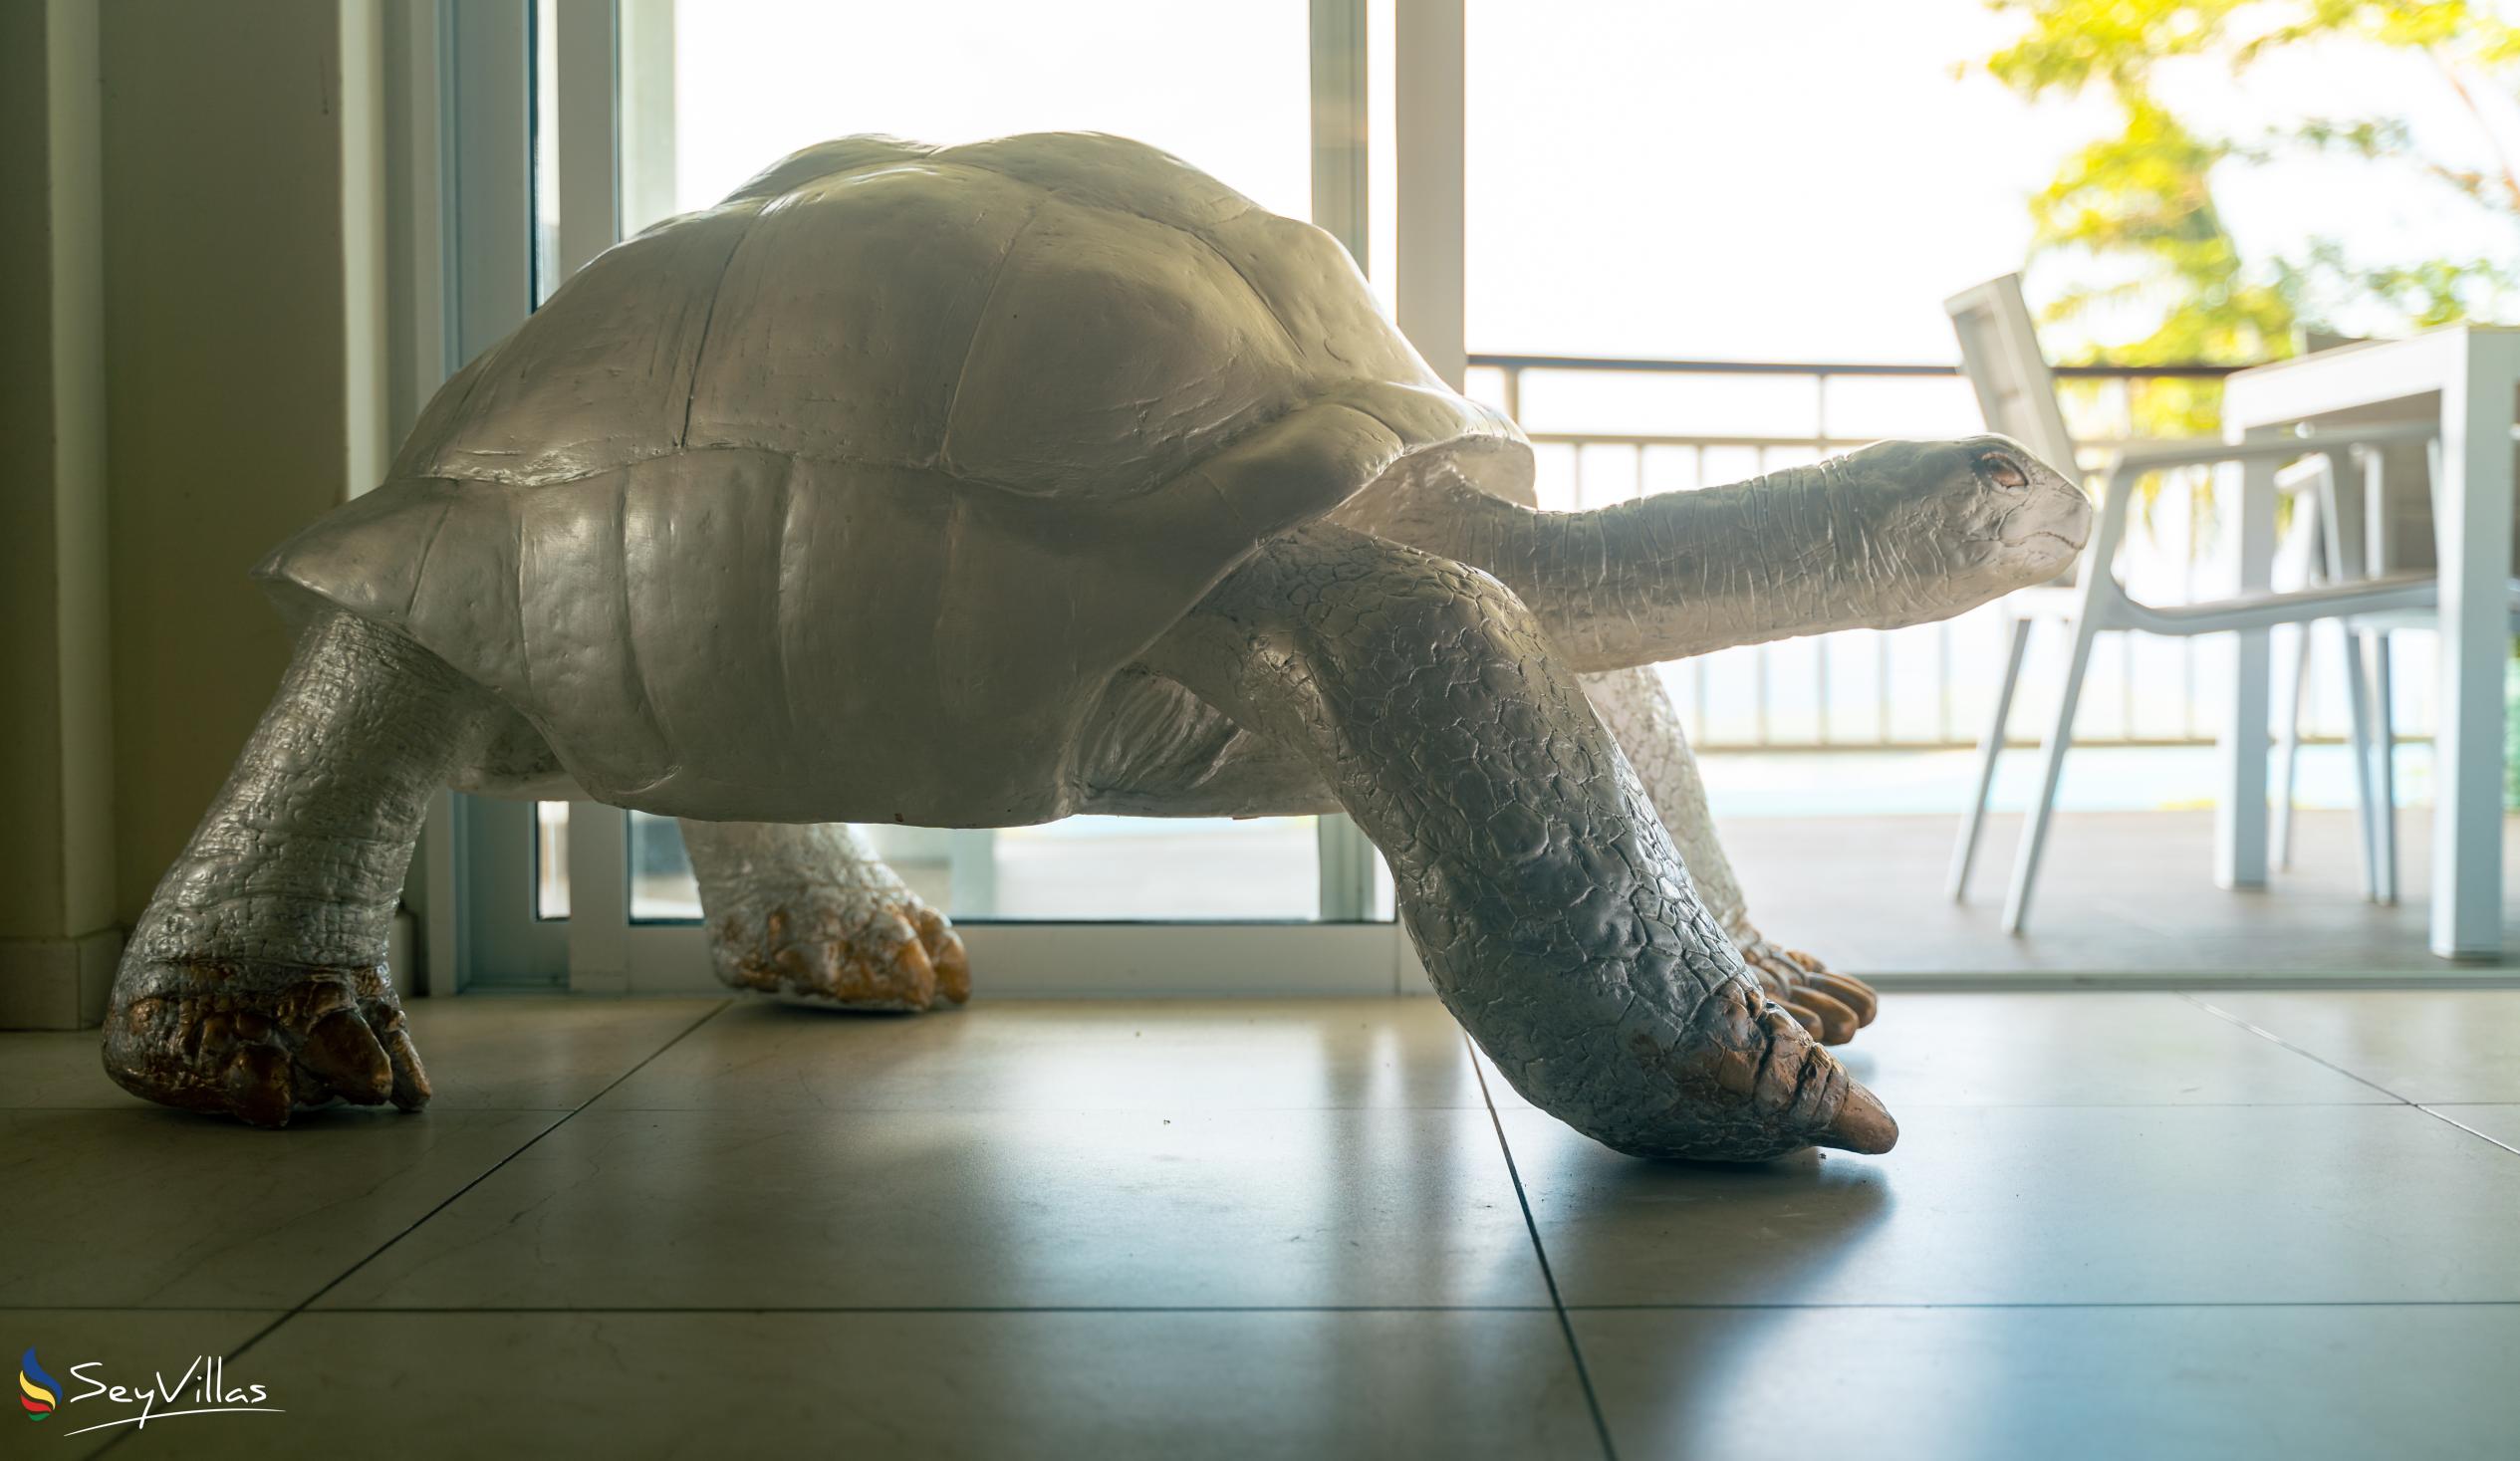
2003,470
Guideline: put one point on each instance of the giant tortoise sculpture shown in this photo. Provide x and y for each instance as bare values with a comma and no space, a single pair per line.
979,486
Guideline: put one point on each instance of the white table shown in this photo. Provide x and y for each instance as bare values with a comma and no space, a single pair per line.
2467,378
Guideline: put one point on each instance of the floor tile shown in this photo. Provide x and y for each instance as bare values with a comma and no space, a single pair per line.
2435,1045
1074,1054
1296,1385
483,1052
2066,1047
2493,1122
2079,1049
519,1053
82,1348
148,1207
2322,1383
1499,1093
816,1209
2045,1206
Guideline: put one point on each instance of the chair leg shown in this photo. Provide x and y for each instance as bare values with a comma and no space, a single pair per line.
2358,721
1965,852
2385,766
2034,830
2288,751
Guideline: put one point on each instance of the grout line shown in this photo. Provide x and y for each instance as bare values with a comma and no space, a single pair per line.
883,1309
2438,1115
1565,1325
342,1277
2263,1032
308,1302
1680,1304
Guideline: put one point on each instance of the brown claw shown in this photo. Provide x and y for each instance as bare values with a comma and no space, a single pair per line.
1809,1018
410,1081
945,951
1853,993
1862,1124
258,1086
342,1053
1838,1024
917,973
1777,982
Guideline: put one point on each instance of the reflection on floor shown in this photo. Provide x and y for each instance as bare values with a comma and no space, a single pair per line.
2121,892
2118,1225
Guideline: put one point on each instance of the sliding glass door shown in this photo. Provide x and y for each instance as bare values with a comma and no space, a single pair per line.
628,110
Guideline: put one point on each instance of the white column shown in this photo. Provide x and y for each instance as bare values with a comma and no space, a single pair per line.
2473,527
58,939
1428,110
599,899
645,113
590,132
2240,815
1343,858
1339,204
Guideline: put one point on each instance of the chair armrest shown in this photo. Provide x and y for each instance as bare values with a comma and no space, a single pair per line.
2137,461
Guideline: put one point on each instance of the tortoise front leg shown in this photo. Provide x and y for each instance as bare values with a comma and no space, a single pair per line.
255,984
1640,715
809,910
1552,912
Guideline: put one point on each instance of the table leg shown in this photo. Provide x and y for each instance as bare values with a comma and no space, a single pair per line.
2473,523
2241,813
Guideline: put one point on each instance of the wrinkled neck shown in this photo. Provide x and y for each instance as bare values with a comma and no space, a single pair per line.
1682,572
1795,552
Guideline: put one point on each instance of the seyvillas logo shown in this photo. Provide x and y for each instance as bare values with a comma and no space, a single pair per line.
201,1388
37,1391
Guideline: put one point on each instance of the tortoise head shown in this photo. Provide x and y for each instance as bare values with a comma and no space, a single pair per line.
1983,506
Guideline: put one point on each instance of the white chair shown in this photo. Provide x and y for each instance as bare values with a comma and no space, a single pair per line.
1999,349
2313,551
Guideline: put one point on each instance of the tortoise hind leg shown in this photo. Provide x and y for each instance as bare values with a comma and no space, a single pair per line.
808,910
1552,913
255,983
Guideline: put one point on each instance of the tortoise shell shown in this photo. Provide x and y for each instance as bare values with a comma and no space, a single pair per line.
846,499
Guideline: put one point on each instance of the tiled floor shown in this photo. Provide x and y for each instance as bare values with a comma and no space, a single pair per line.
2117,1225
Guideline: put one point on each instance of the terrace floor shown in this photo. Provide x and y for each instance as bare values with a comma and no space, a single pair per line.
2121,893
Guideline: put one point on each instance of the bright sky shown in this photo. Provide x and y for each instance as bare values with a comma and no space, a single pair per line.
1787,180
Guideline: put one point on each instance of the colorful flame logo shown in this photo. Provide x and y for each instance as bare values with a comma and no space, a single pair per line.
39,1392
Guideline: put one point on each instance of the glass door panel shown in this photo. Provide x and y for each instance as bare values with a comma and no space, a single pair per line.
730,86
1224,84
1096,869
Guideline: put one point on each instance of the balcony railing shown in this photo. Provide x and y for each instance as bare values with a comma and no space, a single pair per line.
1606,430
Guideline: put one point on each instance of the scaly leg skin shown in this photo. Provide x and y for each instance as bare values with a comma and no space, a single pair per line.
255,983
808,910
1638,711
1546,899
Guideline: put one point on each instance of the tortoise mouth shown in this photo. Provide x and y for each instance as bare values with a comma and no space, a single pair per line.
2066,517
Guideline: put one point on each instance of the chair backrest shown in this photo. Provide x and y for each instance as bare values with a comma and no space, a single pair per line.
1999,351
